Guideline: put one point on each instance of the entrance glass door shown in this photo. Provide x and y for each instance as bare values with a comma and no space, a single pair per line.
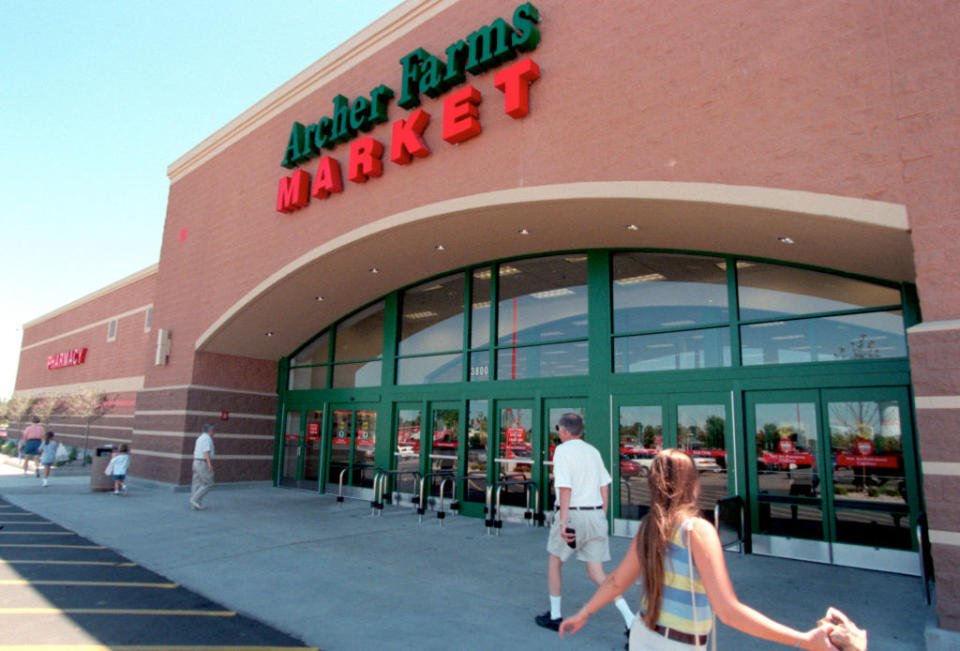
833,476
695,423
312,449
300,463
526,440
406,455
554,408
445,435
514,450
352,443
289,471
785,461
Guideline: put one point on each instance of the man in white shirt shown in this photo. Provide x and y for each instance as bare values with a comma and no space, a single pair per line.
580,524
202,467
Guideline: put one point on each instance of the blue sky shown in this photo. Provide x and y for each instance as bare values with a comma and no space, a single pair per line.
97,98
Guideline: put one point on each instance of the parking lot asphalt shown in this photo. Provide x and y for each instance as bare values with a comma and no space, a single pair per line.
337,578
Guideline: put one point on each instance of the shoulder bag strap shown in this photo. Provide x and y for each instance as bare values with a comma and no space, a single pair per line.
688,525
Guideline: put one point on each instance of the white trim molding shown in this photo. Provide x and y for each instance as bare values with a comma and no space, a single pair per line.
940,537
951,468
934,326
937,402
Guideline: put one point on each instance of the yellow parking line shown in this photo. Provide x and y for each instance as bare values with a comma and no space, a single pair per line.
105,584
100,647
37,545
34,562
117,611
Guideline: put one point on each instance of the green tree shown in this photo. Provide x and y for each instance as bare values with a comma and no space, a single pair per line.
89,405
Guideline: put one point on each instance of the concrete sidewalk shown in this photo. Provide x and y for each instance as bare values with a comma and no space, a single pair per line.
340,579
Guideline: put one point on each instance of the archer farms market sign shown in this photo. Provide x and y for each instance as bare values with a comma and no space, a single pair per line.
484,49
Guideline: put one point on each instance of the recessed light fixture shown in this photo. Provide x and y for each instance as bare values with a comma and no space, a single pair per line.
318,299
633,227
374,270
523,231
269,333
786,240
439,247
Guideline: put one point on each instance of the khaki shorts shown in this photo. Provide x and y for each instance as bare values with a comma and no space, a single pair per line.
592,543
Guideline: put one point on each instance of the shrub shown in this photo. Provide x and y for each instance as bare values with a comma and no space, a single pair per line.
9,448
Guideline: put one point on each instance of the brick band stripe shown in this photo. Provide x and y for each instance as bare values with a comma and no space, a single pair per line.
940,537
934,326
941,468
937,402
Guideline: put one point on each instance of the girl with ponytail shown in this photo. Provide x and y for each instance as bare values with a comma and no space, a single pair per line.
679,556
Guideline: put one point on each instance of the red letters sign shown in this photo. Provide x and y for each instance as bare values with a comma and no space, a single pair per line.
460,122
73,357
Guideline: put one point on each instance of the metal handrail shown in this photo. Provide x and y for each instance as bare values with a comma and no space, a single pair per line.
422,506
379,484
737,502
529,516
346,469
454,503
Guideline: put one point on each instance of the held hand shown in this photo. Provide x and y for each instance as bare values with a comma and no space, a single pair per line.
818,639
573,624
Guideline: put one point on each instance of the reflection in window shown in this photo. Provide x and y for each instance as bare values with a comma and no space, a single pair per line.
480,308
641,437
431,369
786,444
874,335
661,291
672,351
431,316
866,441
363,374
542,300
308,377
701,431
360,336
769,291
407,454
316,352
478,431
555,360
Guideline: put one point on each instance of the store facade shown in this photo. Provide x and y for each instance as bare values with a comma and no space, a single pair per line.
707,229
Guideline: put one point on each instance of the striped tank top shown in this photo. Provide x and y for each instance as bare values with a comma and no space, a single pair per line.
676,611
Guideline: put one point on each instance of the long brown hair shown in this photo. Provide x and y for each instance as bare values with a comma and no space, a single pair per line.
673,482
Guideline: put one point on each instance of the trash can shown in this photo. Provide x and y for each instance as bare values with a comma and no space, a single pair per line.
99,463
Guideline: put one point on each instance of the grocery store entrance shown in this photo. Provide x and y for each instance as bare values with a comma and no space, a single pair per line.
832,476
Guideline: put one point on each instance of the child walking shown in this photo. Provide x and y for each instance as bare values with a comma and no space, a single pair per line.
118,468
48,456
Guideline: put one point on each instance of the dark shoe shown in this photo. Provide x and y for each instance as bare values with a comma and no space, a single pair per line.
546,621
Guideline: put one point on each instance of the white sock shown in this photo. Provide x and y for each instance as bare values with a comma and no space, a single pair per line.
554,607
624,609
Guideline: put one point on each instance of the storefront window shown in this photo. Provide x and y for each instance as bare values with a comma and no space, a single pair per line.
363,374
672,351
770,291
542,300
431,369
431,316
874,335
556,360
361,335
663,291
316,352
480,308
